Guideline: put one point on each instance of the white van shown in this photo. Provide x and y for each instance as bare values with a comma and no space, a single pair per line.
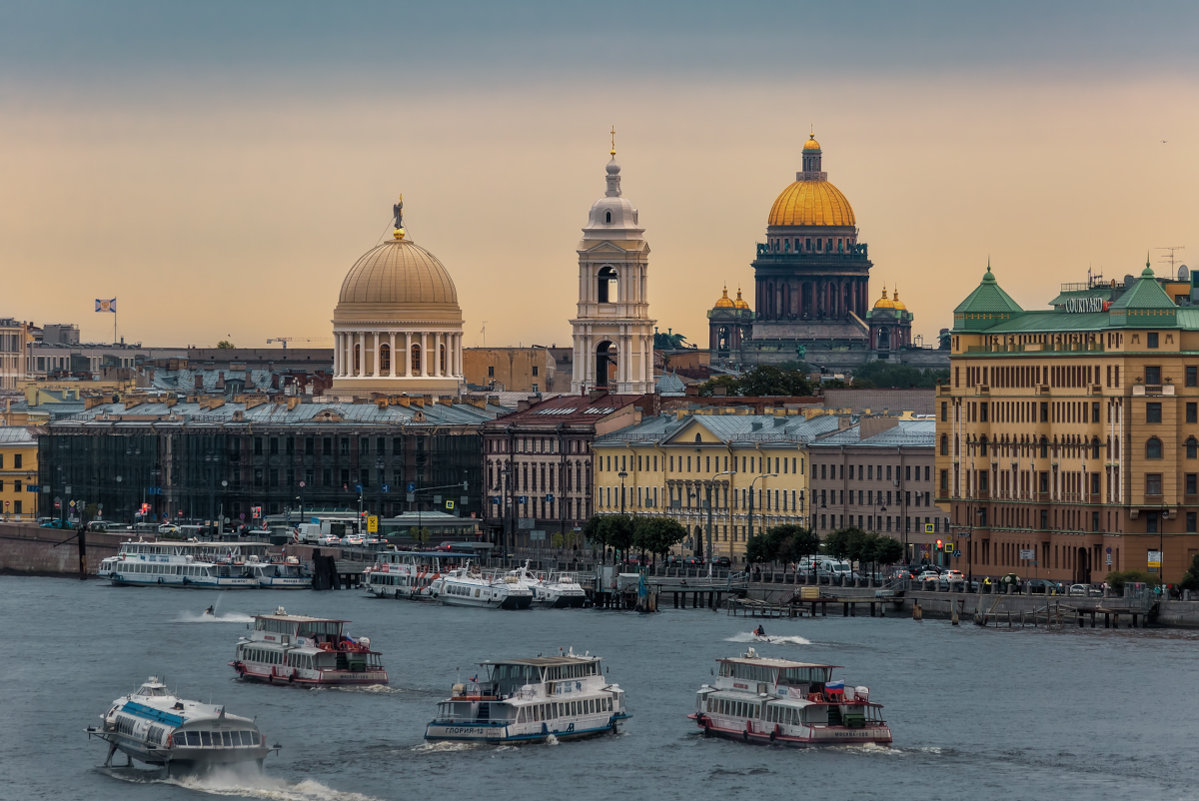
826,567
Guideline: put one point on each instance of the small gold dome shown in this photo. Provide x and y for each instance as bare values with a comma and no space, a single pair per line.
811,203
724,302
883,302
895,300
811,144
740,303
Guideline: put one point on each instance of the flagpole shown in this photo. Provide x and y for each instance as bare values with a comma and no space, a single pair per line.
114,327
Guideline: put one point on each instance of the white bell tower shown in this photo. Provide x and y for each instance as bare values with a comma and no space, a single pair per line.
613,334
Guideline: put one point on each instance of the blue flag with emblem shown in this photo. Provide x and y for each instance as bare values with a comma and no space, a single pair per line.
106,305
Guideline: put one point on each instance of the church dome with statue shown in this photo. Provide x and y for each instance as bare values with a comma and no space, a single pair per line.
397,326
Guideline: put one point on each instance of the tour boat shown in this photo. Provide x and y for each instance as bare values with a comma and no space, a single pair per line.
469,586
287,574
762,700
307,652
406,574
156,727
531,700
203,565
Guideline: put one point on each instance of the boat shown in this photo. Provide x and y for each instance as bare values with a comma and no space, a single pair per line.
762,700
469,586
556,590
531,700
306,652
156,727
285,574
202,565
407,574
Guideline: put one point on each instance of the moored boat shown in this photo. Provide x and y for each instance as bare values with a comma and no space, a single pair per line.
556,590
407,574
284,574
530,700
306,651
469,586
762,700
197,565
154,726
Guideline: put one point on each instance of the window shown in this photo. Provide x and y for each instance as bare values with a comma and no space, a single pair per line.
1192,483
16,460
491,371
1044,411
1193,412
1190,522
1151,342
1153,412
1153,448
1192,448
1153,374
535,370
1153,483
1192,376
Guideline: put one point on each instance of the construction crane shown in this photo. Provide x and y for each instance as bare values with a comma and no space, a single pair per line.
285,340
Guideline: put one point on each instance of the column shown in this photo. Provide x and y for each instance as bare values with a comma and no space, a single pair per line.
407,354
424,353
392,345
375,354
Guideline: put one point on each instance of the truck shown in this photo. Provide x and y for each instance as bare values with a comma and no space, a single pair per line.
314,533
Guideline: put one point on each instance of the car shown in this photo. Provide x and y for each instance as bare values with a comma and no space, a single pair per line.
444,546
1084,590
329,539
952,577
168,528
722,561
1040,585
928,575
901,573
55,523
693,561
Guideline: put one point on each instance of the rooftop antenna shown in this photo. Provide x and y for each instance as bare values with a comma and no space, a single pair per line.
483,331
1170,257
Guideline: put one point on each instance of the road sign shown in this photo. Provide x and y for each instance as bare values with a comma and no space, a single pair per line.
372,524
357,488
930,528
1155,559
495,501
523,499
302,484
412,486
957,554
549,497
948,547
386,488
449,504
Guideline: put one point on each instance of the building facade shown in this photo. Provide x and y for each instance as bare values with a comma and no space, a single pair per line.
612,330
539,465
15,339
534,370
19,496
1068,438
877,475
723,477
198,458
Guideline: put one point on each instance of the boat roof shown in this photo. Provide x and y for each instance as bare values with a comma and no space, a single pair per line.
543,661
754,659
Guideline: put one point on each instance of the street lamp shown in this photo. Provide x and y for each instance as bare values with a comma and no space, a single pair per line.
623,475
220,520
709,501
749,528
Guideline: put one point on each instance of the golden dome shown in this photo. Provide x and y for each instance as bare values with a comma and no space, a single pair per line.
811,144
398,275
740,303
725,302
811,203
896,302
883,302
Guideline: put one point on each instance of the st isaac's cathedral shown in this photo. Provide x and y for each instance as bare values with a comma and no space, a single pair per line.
811,290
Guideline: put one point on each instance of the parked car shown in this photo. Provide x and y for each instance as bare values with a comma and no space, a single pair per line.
168,528
1040,585
928,575
722,561
55,523
693,561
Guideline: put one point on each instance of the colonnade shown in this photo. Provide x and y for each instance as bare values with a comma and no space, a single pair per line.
373,354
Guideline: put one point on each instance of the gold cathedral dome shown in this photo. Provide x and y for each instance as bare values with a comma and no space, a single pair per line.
725,302
884,302
811,200
740,302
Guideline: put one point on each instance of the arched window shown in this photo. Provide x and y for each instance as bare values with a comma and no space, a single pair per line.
385,358
607,216
1153,448
1192,448
607,287
415,359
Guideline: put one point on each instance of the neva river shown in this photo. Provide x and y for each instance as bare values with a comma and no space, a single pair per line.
976,713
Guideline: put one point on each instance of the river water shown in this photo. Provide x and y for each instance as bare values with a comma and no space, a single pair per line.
976,713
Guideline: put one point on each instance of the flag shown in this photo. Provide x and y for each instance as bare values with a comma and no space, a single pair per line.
474,678
106,305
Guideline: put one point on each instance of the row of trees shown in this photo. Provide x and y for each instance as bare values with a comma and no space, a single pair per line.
790,543
655,535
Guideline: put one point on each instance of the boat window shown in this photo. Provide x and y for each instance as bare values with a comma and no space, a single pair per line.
205,738
226,738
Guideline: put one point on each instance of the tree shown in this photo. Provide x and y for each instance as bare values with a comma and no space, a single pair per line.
1190,581
765,379
225,344
657,534
617,531
670,341
901,376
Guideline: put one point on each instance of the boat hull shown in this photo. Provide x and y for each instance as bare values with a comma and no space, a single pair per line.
522,733
794,735
269,674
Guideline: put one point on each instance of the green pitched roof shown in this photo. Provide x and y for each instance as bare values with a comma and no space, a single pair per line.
1144,305
985,306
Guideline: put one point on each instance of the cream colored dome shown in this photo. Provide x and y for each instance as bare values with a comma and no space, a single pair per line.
399,272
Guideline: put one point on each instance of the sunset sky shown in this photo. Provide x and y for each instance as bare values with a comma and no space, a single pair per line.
219,166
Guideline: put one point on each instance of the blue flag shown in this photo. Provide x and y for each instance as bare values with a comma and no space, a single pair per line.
106,305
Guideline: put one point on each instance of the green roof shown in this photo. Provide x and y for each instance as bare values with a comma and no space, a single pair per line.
986,305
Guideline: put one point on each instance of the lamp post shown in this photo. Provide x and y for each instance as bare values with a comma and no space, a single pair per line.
623,475
749,528
120,500
709,501
220,519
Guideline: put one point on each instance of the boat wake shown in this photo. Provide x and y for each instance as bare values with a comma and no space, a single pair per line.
247,783
445,746
201,617
376,689
749,636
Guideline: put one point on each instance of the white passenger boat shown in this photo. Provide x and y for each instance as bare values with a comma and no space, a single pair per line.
407,574
530,700
306,651
469,586
285,574
761,700
204,565
556,590
156,727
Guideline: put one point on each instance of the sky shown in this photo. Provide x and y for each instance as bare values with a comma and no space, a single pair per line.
218,167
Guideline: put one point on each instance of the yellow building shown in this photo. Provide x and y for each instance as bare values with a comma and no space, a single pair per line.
533,369
722,476
18,473
1068,438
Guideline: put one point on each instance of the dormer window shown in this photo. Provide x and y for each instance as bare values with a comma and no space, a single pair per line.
607,216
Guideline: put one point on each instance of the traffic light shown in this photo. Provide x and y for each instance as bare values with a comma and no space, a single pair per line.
940,543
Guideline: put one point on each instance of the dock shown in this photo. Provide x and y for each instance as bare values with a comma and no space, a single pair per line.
811,602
